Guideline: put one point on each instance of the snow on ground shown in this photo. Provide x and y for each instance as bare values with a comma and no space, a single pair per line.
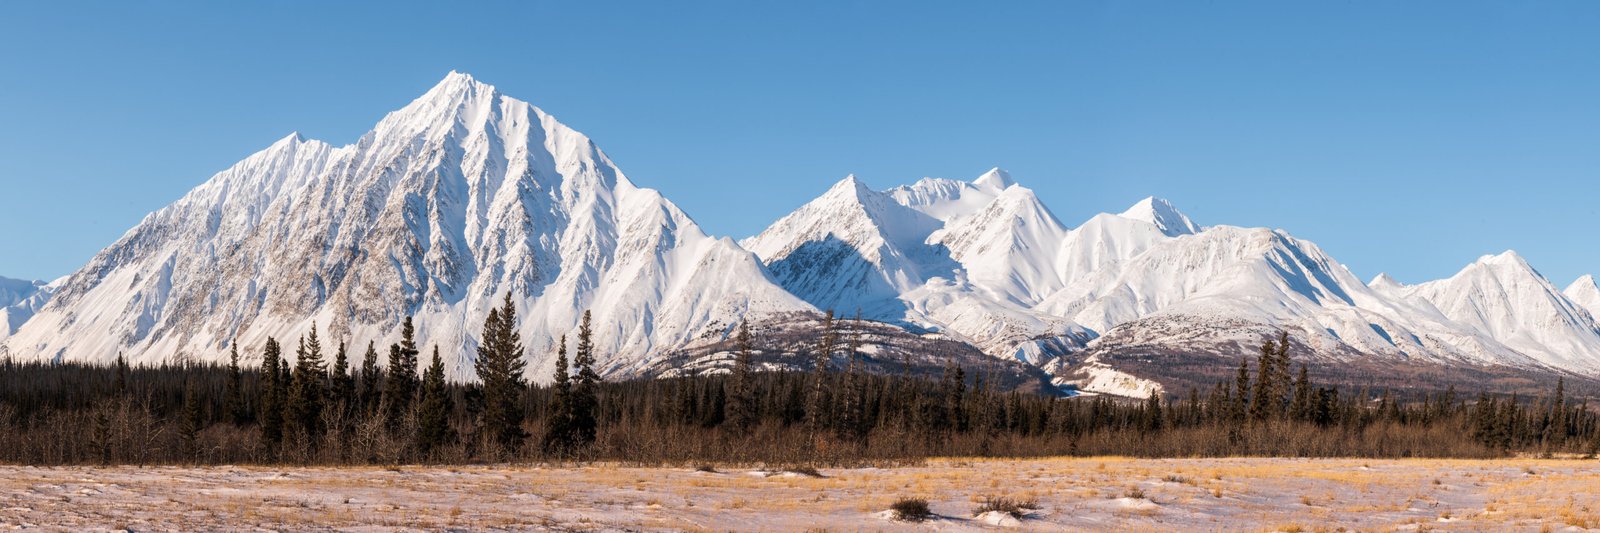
1086,494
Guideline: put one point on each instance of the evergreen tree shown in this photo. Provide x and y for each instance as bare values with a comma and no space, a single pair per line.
1301,407
851,426
817,397
1261,399
342,395
400,389
585,390
121,385
740,411
433,415
955,396
271,410
310,387
189,426
1283,385
500,368
233,389
371,380
558,424
1241,392
1154,419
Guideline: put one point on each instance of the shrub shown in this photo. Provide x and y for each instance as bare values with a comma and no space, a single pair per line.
911,509
1015,507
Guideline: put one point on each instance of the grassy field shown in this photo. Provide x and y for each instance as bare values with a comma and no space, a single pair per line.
1094,494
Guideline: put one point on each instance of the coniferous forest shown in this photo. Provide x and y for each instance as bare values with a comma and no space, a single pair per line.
317,403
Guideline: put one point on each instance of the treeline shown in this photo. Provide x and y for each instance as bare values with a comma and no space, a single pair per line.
299,408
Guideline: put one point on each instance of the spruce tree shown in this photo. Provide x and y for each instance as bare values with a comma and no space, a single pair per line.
852,411
585,390
1154,419
558,424
817,396
1261,399
955,396
342,395
271,410
310,387
189,426
121,385
400,389
500,368
233,392
1300,409
741,394
1241,392
371,380
1555,431
433,415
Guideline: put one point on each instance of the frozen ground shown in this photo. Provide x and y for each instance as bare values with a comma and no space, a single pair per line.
1090,494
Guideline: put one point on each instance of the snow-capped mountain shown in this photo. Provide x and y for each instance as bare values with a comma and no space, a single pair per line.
963,258
1163,215
19,300
465,194
1585,293
1017,283
1503,296
444,206
16,290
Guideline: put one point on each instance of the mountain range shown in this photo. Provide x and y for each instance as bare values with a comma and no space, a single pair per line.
465,194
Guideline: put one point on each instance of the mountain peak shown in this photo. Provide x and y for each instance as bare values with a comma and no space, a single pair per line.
1506,258
1585,293
1384,281
1160,212
850,186
996,179
293,137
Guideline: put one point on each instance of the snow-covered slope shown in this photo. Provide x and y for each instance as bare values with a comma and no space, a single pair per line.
444,206
1504,297
1163,215
1017,283
19,300
851,248
963,258
1230,275
1585,293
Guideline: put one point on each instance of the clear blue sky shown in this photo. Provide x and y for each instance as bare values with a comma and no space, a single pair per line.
1402,136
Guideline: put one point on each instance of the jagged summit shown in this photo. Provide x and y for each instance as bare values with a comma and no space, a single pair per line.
1163,214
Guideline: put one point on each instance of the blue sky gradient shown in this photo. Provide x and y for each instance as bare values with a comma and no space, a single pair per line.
1410,137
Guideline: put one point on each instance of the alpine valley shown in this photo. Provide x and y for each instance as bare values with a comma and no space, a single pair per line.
466,193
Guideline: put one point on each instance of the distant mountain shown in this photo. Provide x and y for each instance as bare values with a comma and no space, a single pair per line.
1506,298
987,263
19,300
465,194
1586,294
